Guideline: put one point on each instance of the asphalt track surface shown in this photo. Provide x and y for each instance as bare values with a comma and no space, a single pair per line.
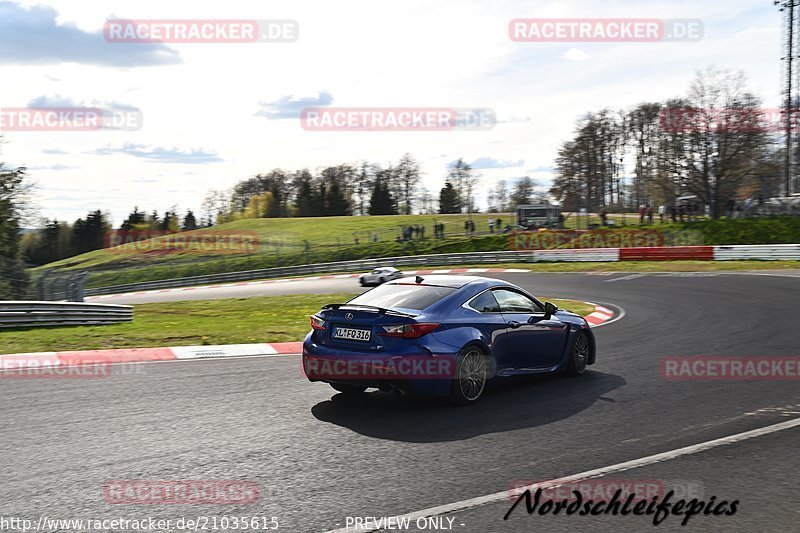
320,457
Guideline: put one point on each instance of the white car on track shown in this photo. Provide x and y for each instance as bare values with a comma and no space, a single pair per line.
379,276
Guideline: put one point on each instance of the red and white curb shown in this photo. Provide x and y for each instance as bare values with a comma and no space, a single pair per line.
142,355
307,278
599,316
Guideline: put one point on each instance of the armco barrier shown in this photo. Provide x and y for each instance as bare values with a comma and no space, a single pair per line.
767,252
524,256
578,254
25,314
674,253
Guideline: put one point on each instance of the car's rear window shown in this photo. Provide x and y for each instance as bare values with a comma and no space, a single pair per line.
393,296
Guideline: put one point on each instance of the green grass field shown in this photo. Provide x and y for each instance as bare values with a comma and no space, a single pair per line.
280,243
190,323
283,236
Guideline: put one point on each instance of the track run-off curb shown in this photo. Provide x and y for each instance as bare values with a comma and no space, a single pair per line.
15,362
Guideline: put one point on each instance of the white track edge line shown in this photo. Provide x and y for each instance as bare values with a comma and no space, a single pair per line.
598,472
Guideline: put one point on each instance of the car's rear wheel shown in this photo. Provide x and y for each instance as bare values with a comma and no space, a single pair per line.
579,358
471,375
350,390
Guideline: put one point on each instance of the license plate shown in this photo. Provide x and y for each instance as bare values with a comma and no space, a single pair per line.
351,334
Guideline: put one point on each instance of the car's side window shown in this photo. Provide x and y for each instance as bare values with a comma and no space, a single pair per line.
485,303
515,302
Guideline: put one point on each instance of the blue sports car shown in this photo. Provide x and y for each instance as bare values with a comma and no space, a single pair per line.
443,335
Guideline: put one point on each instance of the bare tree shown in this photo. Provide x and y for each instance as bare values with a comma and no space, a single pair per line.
722,141
464,179
408,175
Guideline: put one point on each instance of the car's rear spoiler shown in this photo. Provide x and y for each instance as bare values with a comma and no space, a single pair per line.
380,310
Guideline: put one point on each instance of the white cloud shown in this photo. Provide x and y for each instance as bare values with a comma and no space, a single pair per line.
209,101
573,54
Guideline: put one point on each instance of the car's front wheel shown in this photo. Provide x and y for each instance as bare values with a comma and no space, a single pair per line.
579,357
471,375
350,390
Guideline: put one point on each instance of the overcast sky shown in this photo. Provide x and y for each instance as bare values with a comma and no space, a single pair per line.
215,113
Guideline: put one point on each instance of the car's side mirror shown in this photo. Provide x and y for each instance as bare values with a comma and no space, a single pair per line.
549,309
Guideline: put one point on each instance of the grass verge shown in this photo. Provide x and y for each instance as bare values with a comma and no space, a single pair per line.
224,321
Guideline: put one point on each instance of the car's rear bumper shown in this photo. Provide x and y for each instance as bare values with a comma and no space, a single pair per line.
416,370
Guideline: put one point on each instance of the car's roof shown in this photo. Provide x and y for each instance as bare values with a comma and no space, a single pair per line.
440,280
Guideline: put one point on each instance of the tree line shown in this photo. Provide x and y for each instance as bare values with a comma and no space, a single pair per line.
339,190
58,240
712,143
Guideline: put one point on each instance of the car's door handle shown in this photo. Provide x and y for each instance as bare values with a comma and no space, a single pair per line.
514,324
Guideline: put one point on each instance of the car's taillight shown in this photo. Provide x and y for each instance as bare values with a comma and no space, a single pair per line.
317,323
408,331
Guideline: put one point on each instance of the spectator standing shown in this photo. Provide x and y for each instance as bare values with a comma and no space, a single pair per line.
662,212
730,206
491,225
641,214
649,214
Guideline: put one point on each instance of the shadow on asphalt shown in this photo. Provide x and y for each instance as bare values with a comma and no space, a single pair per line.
525,403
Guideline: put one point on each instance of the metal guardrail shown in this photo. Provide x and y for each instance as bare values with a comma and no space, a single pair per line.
469,258
733,252
25,314
758,251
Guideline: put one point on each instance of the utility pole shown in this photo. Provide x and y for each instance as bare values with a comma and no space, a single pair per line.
787,7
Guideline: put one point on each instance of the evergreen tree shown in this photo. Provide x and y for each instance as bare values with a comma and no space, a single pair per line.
448,200
13,279
381,202
189,221
135,218
337,203
305,199
320,207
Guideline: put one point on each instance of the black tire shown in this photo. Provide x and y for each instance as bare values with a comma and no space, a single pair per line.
349,390
472,373
579,356
381,281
